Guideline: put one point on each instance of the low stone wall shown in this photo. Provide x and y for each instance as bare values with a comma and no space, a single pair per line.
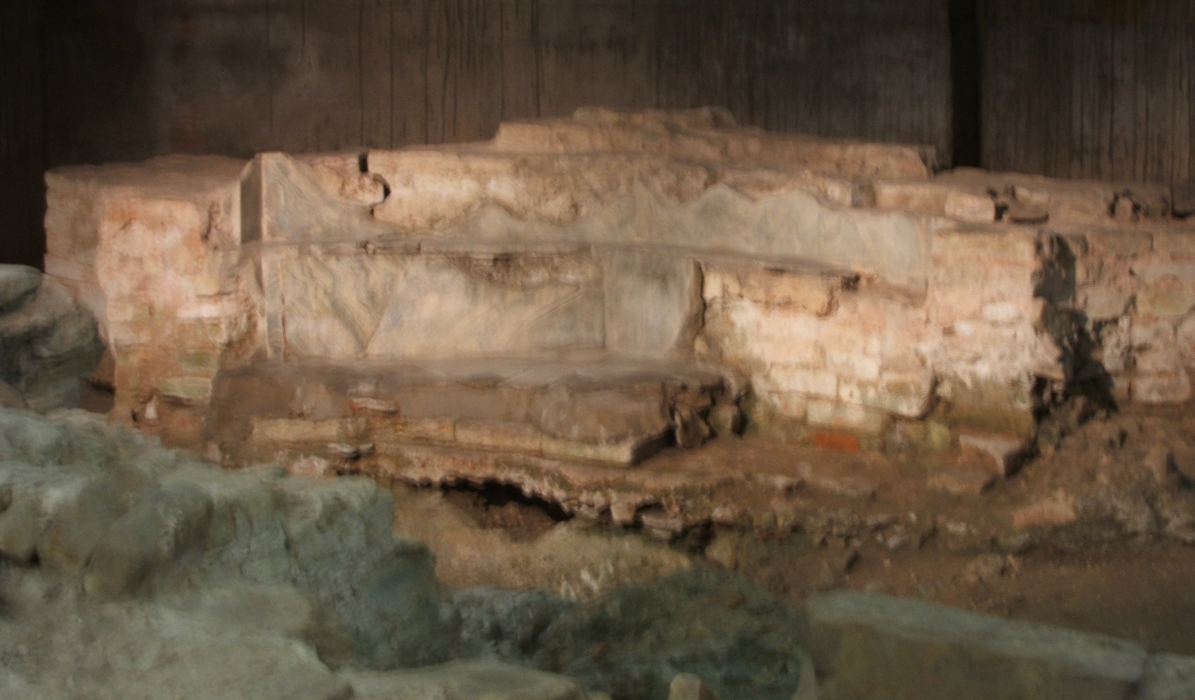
844,285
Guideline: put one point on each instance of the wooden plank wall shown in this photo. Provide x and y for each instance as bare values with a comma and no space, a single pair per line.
21,144
239,76
1100,89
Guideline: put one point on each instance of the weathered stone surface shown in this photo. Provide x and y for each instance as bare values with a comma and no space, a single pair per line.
571,560
383,306
970,208
463,681
16,282
48,343
588,407
1104,303
686,686
846,416
705,138
652,303
874,646
10,397
133,519
708,623
1168,677
1056,510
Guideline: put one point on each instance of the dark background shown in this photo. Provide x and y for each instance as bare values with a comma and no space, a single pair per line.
1073,88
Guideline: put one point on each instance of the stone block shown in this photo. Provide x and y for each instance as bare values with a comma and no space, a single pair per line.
1155,348
301,430
1161,388
852,417
1122,243
1168,676
856,366
186,389
813,294
970,208
801,380
989,406
925,197
652,303
399,306
1167,297
1104,302
905,394
1179,244
1003,313
875,646
1185,336
994,247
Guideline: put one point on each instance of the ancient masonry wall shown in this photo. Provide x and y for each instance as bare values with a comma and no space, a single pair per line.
838,285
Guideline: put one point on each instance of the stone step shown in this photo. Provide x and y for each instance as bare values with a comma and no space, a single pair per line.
588,407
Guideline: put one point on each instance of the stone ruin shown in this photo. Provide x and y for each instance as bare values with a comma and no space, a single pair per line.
560,303
592,310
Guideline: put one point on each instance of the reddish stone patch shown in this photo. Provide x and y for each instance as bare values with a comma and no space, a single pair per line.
835,440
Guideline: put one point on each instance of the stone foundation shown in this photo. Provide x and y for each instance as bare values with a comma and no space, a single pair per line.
836,291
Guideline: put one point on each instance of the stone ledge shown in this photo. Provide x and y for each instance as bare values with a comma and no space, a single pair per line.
876,646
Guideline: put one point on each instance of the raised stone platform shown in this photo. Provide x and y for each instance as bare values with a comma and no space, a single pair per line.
588,407
841,292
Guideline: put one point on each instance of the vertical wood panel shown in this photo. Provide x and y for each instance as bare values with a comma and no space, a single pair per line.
21,145
1090,88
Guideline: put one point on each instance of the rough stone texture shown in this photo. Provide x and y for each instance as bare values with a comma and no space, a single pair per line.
711,624
653,304
48,342
385,306
758,485
129,519
572,560
463,681
587,407
708,135
152,250
1168,677
16,282
838,284
874,646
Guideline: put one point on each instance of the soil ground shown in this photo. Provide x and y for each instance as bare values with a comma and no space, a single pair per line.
909,540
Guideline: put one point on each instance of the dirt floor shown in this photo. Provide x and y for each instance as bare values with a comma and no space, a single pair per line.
1118,565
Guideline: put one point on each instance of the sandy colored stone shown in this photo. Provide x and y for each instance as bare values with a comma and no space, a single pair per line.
931,651
970,208
831,414
710,140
